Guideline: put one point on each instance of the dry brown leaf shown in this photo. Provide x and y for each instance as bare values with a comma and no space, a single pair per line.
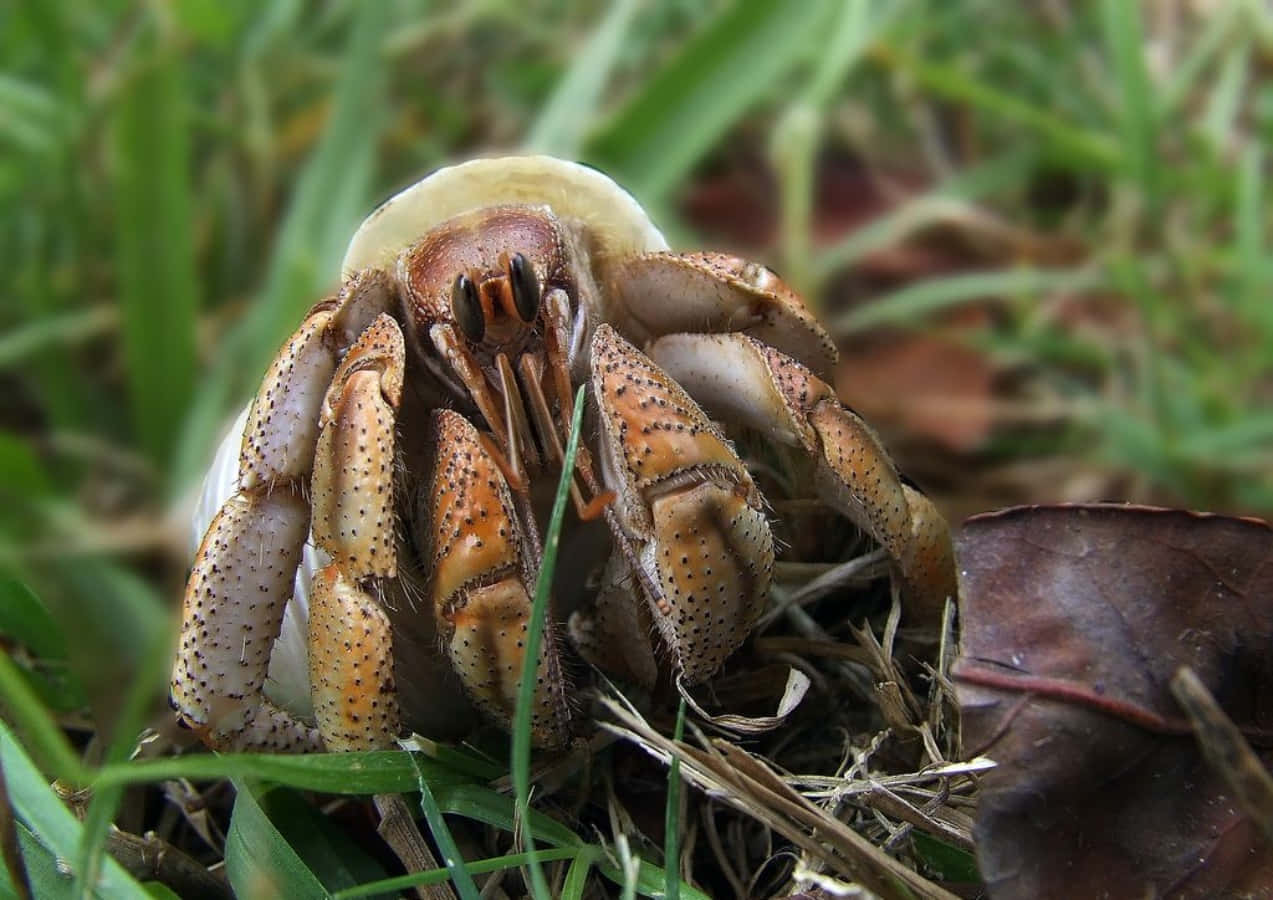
1074,620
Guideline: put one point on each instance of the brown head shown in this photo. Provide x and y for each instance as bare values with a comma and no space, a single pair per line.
486,273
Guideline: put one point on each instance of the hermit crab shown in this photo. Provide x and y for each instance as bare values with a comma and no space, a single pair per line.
378,508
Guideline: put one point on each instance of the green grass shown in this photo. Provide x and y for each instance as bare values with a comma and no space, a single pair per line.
177,182
520,762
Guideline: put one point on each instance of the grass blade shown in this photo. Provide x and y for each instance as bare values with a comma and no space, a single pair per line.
332,193
328,851
534,638
798,134
150,675
258,860
155,248
119,619
26,620
1214,37
372,772
1138,117
45,822
1252,264
474,867
944,202
23,708
857,24
907,305
472,801
560,126
1225,100
680,112
451,857
32,119
1082,148
1228,444
576,881
67,328
672,816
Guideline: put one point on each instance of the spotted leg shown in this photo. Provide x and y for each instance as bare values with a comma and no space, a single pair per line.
350,643
484,569
245,567
687,517
743,380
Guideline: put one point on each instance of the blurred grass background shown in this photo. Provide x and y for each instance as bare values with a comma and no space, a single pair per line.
1038,231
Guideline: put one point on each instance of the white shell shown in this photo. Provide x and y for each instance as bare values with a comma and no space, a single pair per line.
572,191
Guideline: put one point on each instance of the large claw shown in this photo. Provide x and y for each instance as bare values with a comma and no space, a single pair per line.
687,514
483,576
244,572
354,459
743,380
234,607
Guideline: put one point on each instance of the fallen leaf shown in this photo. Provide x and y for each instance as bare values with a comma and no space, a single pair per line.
1074,620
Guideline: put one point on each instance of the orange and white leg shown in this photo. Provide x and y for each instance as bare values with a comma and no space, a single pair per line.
659,293
687,516
244,570
743,380
245,567
483,571
350,640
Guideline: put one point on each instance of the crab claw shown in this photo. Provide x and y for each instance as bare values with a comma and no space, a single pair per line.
687,515
743,380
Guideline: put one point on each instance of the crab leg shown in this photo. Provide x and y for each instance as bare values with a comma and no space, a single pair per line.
687,515
503,410
483,573
244,569
743,380
666,293
532,371
558,360
611,633
233,610
451,348
350,647
244,572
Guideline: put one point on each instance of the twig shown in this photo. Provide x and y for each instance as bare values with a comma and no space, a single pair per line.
748,785
830,786
859,569
398,828
899,807
151,858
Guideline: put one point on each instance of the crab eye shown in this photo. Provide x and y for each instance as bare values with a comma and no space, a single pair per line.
466,306
525,287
